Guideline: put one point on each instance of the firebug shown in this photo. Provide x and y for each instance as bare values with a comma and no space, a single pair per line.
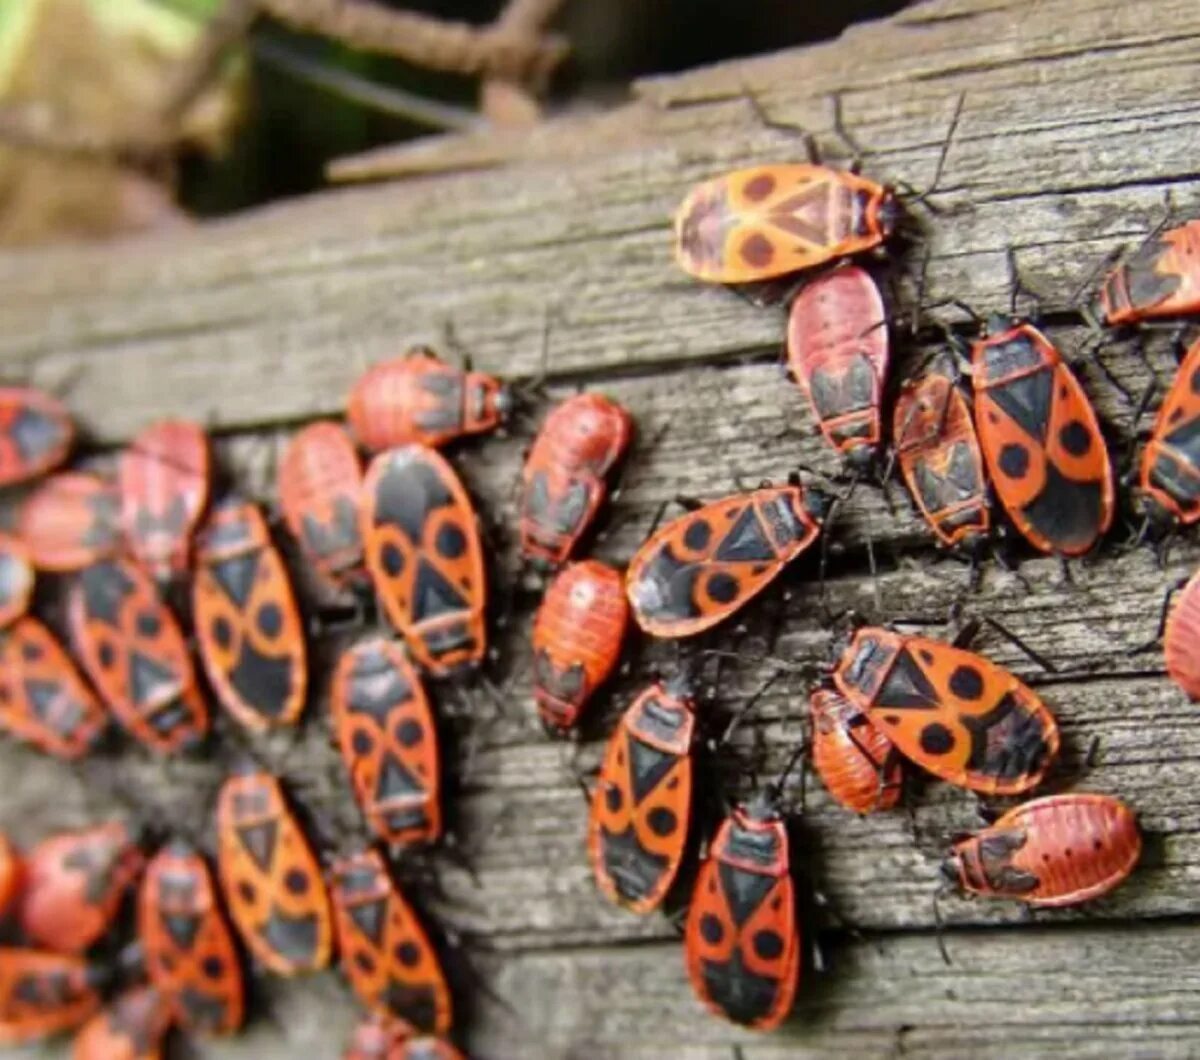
16,579
1160,279
1169,477
566,474
132,648
36,434
71,520
954,713
424,557
270,876
133,1027
577,637
11,874
419,398
385,730
1054,851
702,567
386,955
838,352
44,993
859,766
246,619
188,944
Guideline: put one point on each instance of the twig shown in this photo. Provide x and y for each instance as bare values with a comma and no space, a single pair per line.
505,100
423,41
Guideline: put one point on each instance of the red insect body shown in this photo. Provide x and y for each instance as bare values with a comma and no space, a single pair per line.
702,567
132,648
16,579
642,804
767,221
420,398
386,734
386,954
11,874
270,877
188,944
74,884
164,482
71,520
1169,477
385,1038
838,351
1181,639
1042,442
43,699
577,637
742,942
565,479
954,713
424,557
247,622
36,434
320,479
858,764
44,993
1162,279
939,455
1055,851
133,1027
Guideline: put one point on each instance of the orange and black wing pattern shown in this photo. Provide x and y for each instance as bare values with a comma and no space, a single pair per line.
43,699
270,877
859,766
1042,442
188,944
699,569
16,579
642,805
767,221
1054,851
74,884
133,1027
418,397
36,434
424,556
44,993
71,520
565,478
319,483
385,731
954,713
386,955
163,478
577,637
838,352
10,874
132,648
1170,469
939,455
247,622
1161,279
742,941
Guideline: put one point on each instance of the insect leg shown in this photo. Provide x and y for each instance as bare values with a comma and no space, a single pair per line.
1164,614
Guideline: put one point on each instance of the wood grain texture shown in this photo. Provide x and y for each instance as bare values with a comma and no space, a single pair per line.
1077,115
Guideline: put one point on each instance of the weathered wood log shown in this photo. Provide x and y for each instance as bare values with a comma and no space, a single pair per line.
1077,115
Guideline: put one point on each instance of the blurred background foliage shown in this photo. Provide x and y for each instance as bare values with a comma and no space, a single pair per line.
269,121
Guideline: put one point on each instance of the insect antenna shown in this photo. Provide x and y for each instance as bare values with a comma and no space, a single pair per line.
939,925
1164,614
915,196
1017,642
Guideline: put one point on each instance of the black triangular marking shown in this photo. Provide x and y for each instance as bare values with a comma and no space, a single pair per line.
259,841
182,928
149,680
746,541
433,595
416,1004
292,937
907,686
34,433
741,993
368,917
806,214
744,890
105,587
395,781
236,576
405,495
1027,401
41,696
647,766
